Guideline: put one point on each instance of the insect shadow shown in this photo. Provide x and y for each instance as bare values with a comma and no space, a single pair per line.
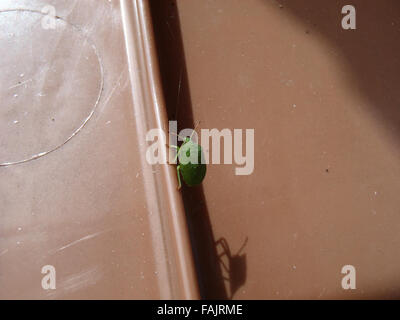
236,266
172,63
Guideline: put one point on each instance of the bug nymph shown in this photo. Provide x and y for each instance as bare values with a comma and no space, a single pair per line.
191,162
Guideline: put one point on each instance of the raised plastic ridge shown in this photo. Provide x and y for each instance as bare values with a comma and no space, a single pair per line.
150,112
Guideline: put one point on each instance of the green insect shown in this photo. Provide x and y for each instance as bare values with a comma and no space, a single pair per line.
192,173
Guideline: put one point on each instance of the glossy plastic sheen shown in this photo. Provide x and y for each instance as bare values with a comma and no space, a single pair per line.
324,103
89,205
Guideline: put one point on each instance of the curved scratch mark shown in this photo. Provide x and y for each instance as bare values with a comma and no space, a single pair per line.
90,236
87,38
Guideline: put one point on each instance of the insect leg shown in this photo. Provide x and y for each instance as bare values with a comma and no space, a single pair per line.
176,156
179,176
224,246
177,151
171,146
223,265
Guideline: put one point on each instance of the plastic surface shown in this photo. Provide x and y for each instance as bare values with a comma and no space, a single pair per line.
83,200
77,193
324,105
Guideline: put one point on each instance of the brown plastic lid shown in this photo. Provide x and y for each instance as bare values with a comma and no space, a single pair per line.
77,193
324,103
75,190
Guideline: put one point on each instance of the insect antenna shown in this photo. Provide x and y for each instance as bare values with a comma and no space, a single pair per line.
175,134
243,245
195,127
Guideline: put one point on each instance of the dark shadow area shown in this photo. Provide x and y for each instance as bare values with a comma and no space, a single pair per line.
177,97
371,54
235,268
371,50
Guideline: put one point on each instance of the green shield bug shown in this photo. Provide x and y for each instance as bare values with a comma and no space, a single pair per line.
191,162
